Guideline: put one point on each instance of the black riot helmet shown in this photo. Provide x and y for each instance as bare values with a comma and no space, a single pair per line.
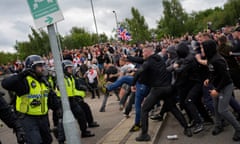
33,60
66,64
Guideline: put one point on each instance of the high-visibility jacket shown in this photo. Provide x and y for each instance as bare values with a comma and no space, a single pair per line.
71,88
35,102
51,81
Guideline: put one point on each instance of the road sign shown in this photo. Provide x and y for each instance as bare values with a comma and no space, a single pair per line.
45,12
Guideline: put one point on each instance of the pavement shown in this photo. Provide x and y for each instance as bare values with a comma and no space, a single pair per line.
120,133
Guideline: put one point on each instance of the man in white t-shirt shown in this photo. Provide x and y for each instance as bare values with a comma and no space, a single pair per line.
92,77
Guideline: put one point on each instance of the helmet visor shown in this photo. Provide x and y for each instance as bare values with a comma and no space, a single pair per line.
38,63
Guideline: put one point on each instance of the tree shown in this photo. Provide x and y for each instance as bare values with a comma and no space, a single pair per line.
137,27
38,44
103,38
5,58
202,19
173,22
79,37
231,11
176,22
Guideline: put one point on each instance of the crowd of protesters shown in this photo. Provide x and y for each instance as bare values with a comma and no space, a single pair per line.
194,73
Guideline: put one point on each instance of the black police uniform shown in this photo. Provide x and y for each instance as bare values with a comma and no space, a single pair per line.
36,126
10,119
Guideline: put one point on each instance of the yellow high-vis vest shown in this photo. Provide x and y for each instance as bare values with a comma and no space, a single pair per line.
35,102
51,82
71,89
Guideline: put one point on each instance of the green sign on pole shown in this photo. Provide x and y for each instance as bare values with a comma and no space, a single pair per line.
45,12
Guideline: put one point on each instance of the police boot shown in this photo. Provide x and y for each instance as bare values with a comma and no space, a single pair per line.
102,109
93,124
87,134
236,136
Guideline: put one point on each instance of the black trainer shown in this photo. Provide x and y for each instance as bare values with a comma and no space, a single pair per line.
102,109
208,121
188,132
157,117
198,128
236,136
87,134
145,137
93,124
217,130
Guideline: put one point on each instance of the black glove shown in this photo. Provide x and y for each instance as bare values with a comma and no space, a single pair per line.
25,73
79,99
19,131
20,134
59,113
2,94
82,87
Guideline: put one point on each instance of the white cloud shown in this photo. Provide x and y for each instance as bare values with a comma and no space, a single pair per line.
197,5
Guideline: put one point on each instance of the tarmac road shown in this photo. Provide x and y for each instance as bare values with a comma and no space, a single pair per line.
107,120
172,127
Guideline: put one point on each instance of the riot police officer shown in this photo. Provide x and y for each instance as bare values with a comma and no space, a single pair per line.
72,94
10,119
33,99
80,93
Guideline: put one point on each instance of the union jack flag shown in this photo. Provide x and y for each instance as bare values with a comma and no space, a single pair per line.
123,34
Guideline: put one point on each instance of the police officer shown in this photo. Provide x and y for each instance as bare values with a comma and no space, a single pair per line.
33,99
81,88
10,119
73,94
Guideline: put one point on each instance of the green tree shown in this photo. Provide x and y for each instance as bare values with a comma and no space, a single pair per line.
176,22
6,58
173,22
231,12
38,44
137,27
103,38
24,49
79,37
201,19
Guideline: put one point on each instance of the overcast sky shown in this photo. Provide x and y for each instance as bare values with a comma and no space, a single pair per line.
16,18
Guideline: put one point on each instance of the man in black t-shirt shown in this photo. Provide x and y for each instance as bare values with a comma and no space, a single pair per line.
110,72
111,75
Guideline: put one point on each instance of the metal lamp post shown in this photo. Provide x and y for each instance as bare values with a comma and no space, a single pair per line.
94,18
115,14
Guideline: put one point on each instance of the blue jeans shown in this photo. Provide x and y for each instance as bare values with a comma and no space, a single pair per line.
124,79
100,66
207,99
113,86
141,92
